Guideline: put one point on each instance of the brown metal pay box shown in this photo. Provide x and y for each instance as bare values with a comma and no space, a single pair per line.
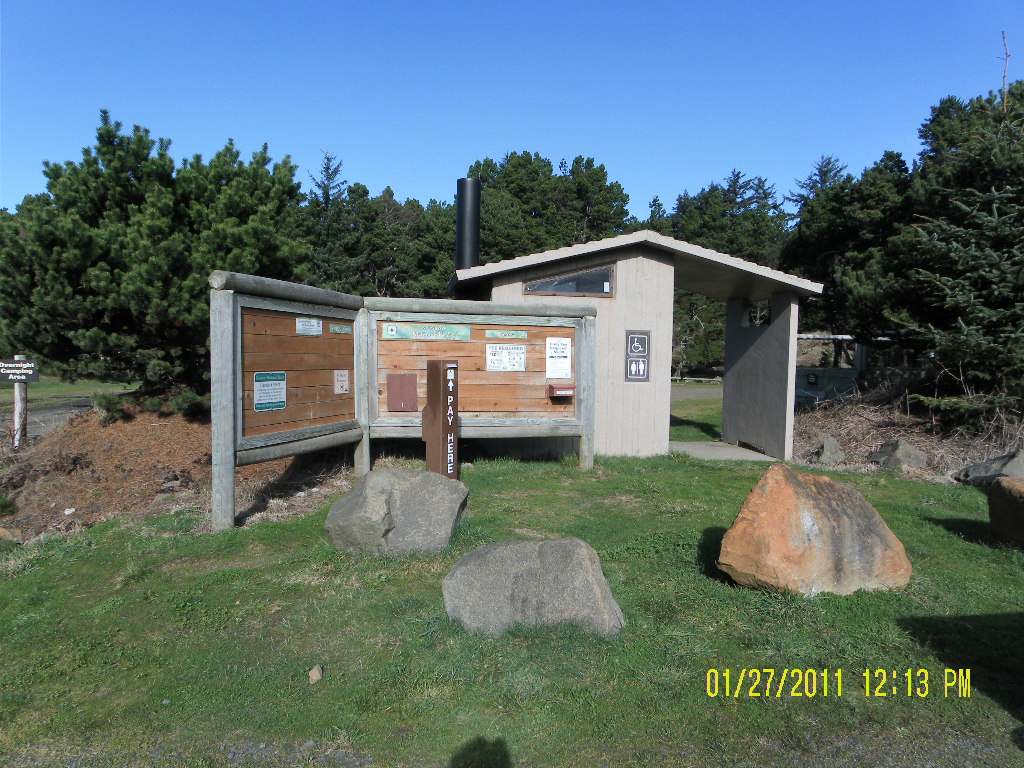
561,391
402,392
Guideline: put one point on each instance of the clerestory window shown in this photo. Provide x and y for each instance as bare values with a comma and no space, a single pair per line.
591,282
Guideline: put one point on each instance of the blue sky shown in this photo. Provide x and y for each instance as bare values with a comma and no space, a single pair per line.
669,96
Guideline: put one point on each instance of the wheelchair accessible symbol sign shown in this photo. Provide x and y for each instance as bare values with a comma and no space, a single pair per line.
638,355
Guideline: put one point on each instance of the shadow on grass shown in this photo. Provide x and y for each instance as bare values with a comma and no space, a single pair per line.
304,471
707,428
538,450
974,531
988,645
707,553
481,753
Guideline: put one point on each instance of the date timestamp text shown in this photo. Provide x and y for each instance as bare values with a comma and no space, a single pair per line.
827,682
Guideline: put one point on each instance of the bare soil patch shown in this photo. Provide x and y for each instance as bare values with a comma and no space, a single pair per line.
84,473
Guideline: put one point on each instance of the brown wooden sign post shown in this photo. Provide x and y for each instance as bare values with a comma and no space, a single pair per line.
441,418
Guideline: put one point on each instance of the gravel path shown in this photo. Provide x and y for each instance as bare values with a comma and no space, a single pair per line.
46,415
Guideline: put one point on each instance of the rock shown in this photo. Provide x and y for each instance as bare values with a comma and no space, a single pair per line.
316,674
984,473
809,534
1006,510
828,453
532,583
394,511
898,453
12,534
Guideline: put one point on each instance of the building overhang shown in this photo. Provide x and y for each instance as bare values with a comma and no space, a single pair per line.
697,269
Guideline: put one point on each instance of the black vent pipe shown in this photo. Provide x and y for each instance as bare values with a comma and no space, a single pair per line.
467,224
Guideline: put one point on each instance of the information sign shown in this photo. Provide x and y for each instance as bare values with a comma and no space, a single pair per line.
427,332
341,382
506,357
309,326
270,391
18,371
490,333
558,358
638,355
341,328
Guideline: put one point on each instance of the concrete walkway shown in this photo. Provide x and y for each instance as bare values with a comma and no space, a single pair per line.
718,451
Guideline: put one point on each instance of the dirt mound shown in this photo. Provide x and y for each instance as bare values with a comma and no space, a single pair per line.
85,473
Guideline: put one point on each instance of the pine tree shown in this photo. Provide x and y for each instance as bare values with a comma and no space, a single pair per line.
106,274
958,288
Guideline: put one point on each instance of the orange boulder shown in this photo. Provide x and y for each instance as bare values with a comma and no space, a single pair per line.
809,534
1006,510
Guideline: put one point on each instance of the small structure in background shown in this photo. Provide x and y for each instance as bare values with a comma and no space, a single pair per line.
828,366
631,279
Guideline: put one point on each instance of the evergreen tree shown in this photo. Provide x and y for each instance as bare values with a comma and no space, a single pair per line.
958,265
329,225
741,217
841,230
527,207
106,274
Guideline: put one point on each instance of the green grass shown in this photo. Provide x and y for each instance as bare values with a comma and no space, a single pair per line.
100,629
698,419
51,388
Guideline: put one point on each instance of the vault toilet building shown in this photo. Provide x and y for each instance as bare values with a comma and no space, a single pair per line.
631,279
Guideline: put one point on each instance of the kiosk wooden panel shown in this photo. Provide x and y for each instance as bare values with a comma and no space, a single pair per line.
483,392
319,370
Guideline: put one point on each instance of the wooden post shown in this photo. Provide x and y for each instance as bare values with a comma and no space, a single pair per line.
441,418
20,411
365,362
586,388
224,408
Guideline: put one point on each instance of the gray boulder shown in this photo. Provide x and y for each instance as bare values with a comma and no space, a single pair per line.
394,511
898,453
985,473
828,453
532,583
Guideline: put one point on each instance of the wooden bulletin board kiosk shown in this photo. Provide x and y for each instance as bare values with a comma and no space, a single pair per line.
524,371
284,375
296,369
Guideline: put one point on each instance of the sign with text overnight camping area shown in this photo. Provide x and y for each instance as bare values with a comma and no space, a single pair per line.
18,371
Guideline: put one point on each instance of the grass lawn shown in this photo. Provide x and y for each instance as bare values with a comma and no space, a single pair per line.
51,388
697,417
144,637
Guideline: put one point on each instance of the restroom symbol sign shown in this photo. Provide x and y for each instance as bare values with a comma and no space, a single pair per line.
638,358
